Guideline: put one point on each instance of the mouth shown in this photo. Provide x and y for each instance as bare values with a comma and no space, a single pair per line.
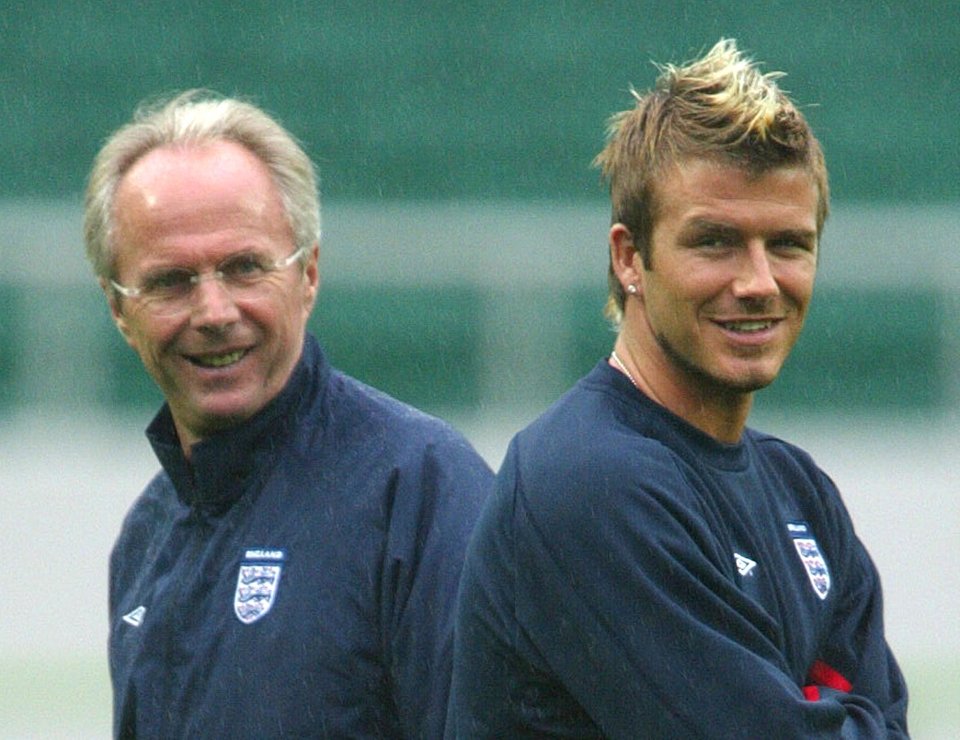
218,361
751,326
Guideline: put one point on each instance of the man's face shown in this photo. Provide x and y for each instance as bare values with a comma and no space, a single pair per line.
733,261
224,355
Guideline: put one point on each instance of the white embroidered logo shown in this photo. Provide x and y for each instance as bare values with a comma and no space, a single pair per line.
745,565
135,618
257,583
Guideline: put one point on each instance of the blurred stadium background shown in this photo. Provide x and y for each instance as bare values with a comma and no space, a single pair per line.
464,264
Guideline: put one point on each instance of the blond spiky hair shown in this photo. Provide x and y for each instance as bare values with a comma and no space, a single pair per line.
719,106
724,90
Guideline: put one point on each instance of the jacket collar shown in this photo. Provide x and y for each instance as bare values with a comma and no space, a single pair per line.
222,467
650,419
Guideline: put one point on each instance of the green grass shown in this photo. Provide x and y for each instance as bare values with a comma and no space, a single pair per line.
934,685
50,697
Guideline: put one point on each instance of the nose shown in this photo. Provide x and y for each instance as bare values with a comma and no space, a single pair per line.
755,278
212,304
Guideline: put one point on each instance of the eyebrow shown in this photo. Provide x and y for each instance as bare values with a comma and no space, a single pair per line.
241,252
714,227
702,225
803,234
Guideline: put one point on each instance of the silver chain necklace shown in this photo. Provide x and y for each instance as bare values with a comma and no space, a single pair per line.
616,359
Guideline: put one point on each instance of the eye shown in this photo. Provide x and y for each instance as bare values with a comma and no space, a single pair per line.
793,245
168,282
244,267
712,241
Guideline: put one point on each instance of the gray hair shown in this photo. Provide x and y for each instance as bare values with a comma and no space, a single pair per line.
199,117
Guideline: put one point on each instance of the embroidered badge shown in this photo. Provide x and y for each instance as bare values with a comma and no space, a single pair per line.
257,583
811,557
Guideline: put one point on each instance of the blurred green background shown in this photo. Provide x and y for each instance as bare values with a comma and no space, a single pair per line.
464,252
482,103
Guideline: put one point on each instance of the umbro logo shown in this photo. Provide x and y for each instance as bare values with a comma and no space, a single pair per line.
135,618
745,565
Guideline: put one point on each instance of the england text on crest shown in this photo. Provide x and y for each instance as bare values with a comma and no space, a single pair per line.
257,583
811,557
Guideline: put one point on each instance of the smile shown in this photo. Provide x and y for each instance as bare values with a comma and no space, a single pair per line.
218,360
747,327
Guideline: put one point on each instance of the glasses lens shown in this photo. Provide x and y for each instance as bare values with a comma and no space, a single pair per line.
244,270
243,276
168,285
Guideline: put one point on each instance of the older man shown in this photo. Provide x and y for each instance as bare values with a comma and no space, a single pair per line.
290,571
649,566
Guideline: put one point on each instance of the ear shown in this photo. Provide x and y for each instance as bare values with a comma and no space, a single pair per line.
116,312
311,276
625,260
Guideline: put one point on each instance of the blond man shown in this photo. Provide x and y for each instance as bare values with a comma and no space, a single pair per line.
649,566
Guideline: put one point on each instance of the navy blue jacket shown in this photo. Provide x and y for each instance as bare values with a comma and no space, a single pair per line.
296,579
631,577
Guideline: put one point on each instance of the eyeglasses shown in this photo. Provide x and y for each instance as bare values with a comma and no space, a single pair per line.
169,291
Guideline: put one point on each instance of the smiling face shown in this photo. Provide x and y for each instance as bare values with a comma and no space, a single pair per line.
225,356
731,274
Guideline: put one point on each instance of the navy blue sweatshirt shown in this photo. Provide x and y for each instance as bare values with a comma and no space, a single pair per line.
296,578
632,577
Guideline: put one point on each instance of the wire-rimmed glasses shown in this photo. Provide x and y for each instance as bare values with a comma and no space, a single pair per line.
170,290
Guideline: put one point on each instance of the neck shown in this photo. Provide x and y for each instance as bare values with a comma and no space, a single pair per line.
716,410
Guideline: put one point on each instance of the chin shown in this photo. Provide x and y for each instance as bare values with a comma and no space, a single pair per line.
213,418
752,385
748,382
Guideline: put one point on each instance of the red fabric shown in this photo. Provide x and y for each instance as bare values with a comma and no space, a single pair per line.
822,674
811,693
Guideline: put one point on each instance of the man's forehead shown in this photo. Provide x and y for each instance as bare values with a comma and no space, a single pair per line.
178,159
177,194
707,179
188,178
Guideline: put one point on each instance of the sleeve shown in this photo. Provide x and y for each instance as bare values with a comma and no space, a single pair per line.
619,604
872,692
436,504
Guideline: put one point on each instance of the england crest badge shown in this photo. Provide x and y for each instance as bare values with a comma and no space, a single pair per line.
811,557
257,583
